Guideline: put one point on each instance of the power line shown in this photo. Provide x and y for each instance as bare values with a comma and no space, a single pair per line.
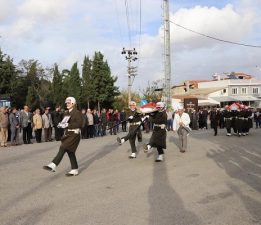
128,20
214,38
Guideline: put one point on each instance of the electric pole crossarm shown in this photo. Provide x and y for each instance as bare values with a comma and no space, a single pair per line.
130,56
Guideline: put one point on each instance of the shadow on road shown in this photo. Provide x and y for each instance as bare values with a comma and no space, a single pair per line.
240,158
166,207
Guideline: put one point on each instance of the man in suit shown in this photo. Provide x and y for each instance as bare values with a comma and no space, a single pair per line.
72,123
26,121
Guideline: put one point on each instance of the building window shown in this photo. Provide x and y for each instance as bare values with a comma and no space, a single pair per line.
234,91
255,90
244,90
224,91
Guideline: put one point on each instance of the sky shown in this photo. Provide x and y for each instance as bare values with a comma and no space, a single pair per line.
64,31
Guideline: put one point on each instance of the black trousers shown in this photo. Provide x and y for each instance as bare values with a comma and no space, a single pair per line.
38,135
58,158
160,151
58,133
27,134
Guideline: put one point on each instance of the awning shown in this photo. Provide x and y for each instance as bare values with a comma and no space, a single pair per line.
208,102
224,99
242,98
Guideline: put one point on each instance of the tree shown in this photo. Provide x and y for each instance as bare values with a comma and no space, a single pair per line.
103,82
57,93
37,82
150,93
8,75
73,83
87,83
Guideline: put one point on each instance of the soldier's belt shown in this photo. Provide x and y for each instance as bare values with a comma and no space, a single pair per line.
137,123
228,118
162,126
76,131
241,118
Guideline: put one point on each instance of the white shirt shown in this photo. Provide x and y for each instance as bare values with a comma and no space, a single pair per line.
184,118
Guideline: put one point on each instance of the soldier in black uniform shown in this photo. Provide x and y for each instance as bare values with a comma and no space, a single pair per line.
248,122
240,121
228,119
72,123
214,119
159,134
134,119
250,119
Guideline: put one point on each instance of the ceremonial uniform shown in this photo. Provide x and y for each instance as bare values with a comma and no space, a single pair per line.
239,122
72,122
214,118
228,120
159,134
134,119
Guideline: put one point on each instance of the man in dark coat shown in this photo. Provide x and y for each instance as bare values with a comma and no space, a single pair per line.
72,123
57,118
214,119
228,119
159,134
134,119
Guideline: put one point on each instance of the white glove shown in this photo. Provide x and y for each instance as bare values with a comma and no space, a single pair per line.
145,117
62,125
130,117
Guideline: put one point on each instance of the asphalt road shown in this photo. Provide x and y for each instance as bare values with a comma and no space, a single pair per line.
218,182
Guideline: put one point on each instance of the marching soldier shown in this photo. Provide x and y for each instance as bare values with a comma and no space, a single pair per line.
228,119
239,120
72,123
134,119
159,134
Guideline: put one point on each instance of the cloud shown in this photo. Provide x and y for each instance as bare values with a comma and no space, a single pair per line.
63,31
223,23
5,9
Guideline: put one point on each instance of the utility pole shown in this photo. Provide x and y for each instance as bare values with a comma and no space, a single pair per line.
130,56
167,61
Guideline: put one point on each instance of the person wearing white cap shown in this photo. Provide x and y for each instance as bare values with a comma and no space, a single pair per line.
181,125
72,123
134,119
159,134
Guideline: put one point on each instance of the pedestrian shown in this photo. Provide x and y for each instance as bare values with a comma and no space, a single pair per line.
14,126
181,126
103,122
26,122
123,120
38,125
4,123
214,119
134,119
72,123
159,134
84,124
57,118
169,119
47,125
